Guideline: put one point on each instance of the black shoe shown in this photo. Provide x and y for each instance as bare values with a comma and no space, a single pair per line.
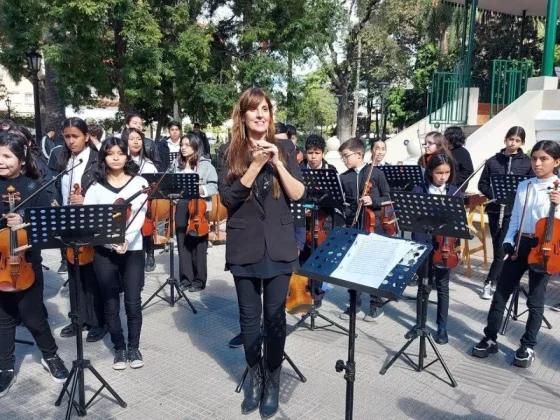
484,348
69,331
56,368
7,379
119,362
236,341
412,333
524,356
254,393
96,334
269,400
318,304
63,267
150,262
374,314
135,359
441,336
185,284
195,289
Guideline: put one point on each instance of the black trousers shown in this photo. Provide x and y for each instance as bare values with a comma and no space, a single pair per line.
440,282
251,305
509,279
148,243
193,250
129,268
498,235
89,296
27,307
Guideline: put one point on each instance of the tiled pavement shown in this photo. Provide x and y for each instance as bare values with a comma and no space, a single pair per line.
191,373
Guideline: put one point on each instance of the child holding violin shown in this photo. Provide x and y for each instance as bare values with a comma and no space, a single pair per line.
193,245
135,140
353,182
18,170
78,152
437,180
536,199
121,264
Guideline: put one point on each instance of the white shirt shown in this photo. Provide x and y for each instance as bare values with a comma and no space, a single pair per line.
99,194
146,166
537,208
174,147
75,175
432,189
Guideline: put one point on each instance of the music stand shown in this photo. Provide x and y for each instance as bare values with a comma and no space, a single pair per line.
430,215
323,189
77,226
402,177
168,158
173,187
330,256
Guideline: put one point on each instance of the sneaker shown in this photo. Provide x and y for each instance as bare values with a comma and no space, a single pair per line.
524,356
7,379
346,314
487,291
119,363
441,337
556,307
484,348
56,368
63,267
493,287
236,341
374,314
135,358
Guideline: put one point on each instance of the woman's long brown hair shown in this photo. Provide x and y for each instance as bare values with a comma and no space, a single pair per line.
441,147
238,157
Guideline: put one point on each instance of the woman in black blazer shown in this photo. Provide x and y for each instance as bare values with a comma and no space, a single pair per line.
257,178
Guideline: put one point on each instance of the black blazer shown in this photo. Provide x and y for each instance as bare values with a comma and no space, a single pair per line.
251,227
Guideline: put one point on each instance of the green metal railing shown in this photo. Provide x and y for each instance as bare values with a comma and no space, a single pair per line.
448,100
509,82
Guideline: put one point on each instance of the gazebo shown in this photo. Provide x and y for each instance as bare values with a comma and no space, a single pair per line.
524,8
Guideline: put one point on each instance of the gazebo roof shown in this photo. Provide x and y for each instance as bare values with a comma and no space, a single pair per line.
511,7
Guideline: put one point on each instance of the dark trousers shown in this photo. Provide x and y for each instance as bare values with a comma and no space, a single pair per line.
89,296
129,268
249,291
27,307
509,279
441,283
193,250
148,243
498,235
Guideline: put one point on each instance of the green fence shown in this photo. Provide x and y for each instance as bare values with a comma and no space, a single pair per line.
448,100
509,82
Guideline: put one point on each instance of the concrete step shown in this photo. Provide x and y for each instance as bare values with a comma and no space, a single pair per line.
547,125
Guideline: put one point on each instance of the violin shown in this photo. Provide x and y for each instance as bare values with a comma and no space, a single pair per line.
16,273
545,257
85,253
369,215
148,226
318,234
445,255
299,295
198,224
128,202
388,219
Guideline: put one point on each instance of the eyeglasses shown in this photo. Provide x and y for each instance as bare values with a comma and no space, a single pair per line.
345,157
429,144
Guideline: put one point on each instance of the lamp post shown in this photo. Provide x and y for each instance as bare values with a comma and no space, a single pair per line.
8,105
34,65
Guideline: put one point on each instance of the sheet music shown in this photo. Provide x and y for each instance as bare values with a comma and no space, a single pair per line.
371,258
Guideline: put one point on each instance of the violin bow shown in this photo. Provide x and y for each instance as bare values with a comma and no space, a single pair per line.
471,176
360,204
522,220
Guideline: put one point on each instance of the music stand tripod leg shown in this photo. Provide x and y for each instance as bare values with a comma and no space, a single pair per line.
175,283
295,368
27,343
510,311
350,366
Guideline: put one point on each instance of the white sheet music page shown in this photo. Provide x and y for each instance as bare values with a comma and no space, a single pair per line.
370,259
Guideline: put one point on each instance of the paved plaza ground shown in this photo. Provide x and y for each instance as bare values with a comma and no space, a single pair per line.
191,373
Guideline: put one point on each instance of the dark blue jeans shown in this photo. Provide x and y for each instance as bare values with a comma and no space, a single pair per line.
441,284
129,268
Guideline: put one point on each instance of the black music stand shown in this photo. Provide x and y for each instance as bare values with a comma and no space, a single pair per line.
168,159
402,177
173,187
329,256
428,214
504,188
76,226
323,189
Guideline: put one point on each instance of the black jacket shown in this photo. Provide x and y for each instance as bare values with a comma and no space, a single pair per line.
498,164
464,166
252,227
352,186
324,165
152,153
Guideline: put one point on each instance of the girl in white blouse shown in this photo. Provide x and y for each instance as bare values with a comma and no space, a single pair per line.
538,193
122,264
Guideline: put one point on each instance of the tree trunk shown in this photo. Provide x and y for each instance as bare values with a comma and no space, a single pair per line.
344,117
54,111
